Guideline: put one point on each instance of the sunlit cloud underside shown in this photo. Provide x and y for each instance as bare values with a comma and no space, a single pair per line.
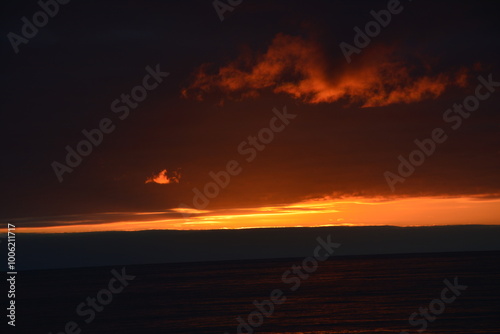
423,211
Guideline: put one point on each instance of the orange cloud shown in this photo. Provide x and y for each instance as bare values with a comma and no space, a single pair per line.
303,70
325,211
162,178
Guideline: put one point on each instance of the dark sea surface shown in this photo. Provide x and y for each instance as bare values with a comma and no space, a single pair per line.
372,294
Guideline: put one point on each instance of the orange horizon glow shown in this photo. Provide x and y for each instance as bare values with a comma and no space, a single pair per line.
421,211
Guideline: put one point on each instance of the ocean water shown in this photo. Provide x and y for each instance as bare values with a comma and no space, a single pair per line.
354,295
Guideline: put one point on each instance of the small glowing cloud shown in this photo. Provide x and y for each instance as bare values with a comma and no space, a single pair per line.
163,178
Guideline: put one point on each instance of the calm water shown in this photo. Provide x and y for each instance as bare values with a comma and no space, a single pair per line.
344,295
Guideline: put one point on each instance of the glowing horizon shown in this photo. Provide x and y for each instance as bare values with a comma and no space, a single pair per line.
355,211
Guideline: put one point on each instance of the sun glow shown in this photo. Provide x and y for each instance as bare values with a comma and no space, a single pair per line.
310,213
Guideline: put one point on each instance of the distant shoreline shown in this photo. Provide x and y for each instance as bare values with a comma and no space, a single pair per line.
91,249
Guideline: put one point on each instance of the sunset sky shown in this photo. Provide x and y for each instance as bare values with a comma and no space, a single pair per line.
332,128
